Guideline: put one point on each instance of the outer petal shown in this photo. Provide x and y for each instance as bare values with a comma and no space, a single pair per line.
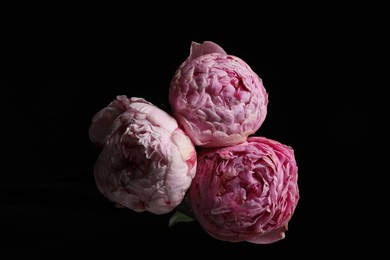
270,237
206,47
103,120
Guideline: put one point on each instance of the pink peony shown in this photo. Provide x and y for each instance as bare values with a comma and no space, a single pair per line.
147,162
246,192
216,97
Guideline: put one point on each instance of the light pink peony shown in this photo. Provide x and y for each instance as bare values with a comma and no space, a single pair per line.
246,192
216,97
147,162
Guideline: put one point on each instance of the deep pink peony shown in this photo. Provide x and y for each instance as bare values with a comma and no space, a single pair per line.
147,162
247,192
216,97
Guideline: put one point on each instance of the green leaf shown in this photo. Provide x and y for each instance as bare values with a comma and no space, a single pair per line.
179,217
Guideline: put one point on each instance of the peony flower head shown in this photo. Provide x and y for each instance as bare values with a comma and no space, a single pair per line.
147,162
247,192
216,97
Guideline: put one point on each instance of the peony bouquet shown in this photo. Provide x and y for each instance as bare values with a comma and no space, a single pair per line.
203,156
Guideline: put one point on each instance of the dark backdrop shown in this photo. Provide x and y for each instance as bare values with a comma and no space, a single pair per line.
49,201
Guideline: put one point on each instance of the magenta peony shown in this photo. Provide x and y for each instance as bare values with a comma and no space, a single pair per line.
147,162
216,97
247,192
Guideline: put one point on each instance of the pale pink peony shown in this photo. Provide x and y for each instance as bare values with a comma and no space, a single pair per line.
247,192
216,97
147,162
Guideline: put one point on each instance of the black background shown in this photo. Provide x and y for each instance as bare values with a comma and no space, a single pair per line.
50,204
